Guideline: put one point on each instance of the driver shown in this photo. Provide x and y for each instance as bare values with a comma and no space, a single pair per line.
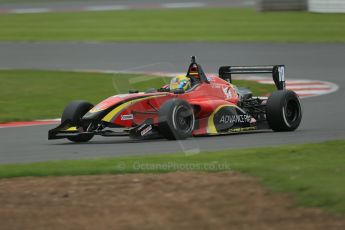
180,82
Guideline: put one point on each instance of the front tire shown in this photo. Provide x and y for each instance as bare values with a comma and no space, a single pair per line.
74,112
283,111
176,120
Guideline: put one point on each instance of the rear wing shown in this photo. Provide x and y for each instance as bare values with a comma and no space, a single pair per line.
277,71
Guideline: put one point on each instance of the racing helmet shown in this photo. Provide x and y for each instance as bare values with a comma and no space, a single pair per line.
180,82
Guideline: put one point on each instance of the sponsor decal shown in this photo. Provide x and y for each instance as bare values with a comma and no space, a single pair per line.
242,129
141,127
215,86
127,117
146,130
281,71
230,116
227,92
225,119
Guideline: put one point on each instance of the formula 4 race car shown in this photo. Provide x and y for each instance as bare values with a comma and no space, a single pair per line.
211,106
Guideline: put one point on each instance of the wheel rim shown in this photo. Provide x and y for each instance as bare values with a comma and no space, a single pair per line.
183,119
292,111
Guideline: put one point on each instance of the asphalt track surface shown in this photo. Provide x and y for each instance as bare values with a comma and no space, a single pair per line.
323,117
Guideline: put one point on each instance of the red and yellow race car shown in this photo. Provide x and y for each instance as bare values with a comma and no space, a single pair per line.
192,105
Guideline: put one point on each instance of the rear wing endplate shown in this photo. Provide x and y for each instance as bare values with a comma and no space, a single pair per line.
277,71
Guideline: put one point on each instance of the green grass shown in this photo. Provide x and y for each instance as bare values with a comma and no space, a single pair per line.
241,25
314,173
257,88
32,94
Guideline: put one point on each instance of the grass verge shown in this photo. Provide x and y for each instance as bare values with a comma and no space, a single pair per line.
32,94
314,173
240,25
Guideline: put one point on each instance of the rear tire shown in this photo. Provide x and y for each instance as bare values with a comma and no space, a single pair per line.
283,111
176,120
74,112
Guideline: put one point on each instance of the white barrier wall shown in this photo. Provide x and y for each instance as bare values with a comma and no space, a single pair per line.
327,6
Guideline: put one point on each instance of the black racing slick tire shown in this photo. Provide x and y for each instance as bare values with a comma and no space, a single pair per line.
74,112
176,119
283,111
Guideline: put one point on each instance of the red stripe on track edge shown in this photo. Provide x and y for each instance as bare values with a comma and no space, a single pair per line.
28,123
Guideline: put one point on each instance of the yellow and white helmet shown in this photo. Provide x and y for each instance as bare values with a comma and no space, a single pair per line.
180,82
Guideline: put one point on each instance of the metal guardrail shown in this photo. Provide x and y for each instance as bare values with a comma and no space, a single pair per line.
276,5
327,6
